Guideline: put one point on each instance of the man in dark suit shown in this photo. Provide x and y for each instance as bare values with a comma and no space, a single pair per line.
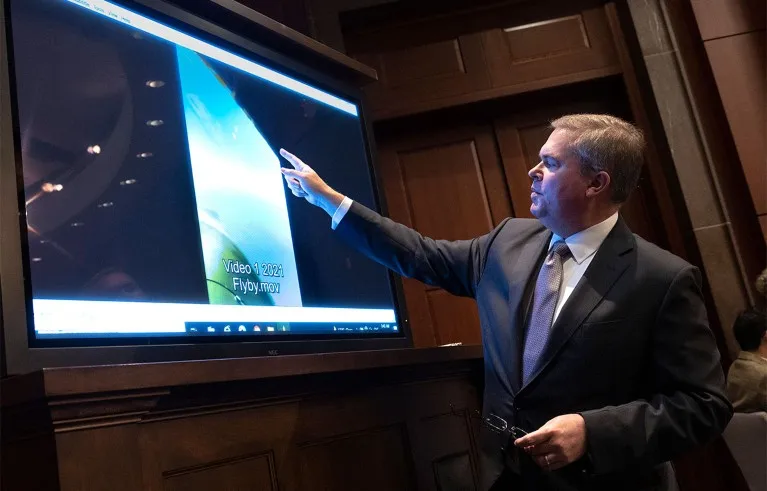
596,342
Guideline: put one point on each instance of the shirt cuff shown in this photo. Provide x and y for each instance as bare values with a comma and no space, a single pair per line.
341,212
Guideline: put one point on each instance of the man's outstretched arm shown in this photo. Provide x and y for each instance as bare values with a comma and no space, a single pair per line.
453,265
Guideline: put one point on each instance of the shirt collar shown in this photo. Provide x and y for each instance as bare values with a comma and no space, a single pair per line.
586,242
748,355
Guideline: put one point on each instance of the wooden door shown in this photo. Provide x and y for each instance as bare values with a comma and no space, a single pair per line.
447,184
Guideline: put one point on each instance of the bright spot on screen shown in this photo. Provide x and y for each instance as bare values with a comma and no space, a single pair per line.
49,187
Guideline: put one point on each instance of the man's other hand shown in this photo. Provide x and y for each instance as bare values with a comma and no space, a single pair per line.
558,443
305,183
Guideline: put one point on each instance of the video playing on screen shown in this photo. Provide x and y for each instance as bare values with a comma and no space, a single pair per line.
154,200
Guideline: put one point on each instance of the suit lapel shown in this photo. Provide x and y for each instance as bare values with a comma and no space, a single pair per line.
524,268
606,268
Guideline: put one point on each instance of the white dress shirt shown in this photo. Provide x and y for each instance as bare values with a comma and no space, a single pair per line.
583,246
341,212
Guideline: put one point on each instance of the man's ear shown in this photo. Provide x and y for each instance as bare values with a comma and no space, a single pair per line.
599,183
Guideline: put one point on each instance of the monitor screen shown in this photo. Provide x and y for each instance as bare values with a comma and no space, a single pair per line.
155,206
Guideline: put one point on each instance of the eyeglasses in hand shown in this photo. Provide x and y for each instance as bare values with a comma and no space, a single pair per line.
494,423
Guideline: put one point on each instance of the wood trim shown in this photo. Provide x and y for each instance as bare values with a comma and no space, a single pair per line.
493,93
510,146
493,178
115,378
80,413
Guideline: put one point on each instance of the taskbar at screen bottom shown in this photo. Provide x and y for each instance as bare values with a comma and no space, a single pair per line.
286,328
223,329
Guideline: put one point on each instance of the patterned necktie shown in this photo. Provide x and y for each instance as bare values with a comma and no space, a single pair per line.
544,304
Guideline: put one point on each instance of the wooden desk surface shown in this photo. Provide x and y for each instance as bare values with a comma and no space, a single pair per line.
57,382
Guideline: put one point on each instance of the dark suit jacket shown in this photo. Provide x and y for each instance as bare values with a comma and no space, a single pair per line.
631,349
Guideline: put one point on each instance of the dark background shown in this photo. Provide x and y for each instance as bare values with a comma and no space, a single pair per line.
81,80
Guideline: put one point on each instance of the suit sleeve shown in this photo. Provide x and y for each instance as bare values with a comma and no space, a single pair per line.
455,266
688,406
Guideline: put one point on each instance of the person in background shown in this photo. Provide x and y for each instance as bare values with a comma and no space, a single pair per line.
596,342
761,287
747,378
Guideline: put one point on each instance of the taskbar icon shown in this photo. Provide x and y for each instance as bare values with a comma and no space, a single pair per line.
234,328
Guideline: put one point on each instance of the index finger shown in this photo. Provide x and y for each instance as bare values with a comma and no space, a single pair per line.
294,161
538,437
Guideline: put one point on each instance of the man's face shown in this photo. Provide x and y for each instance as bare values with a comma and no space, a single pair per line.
558,189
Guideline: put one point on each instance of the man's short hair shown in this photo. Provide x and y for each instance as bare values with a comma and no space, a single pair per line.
606,143
749,329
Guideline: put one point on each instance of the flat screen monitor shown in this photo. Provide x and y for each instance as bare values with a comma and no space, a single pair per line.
153,211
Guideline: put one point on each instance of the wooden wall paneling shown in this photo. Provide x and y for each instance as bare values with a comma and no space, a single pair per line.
243,473
493,175
551,48
444,440
447,185
374,438
739,64
245,447
379,427
519,151
100,458
456,319
445,189
717,18
376,460
356,441
102,430
411,425
421,325
420,72
508,48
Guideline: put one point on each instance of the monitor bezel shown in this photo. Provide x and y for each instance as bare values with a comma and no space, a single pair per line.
22,352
